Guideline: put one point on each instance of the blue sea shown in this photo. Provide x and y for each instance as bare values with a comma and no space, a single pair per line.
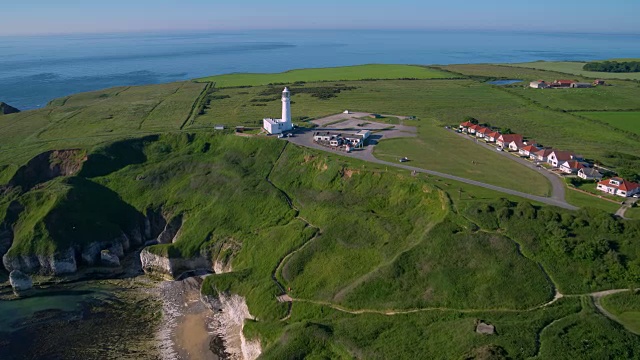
34,70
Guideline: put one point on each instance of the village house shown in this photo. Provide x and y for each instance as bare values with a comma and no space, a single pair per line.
335,141
589,174
618,186
562,83
464,127
515,145
506,139
527,150
482,131
581,85
540,84
541,155
473,128
324,136
571,167
492,136
556,158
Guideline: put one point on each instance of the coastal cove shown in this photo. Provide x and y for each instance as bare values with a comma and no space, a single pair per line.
37,69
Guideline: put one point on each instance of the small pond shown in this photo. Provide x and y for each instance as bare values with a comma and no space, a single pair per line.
503,82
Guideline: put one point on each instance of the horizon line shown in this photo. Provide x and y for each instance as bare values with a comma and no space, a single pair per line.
243,30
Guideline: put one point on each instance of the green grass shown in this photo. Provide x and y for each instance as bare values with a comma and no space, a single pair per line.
626,307
489,71
346,73
575,68
627,121
587,201
633,213
623,96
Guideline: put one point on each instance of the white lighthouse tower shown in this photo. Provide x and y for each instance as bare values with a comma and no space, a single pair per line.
278,126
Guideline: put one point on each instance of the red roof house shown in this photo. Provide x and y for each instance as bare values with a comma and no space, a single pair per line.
505,140
619,186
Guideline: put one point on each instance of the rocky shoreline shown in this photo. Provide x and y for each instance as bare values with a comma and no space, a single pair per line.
202,327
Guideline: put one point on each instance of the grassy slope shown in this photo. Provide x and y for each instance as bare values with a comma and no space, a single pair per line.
626,307
575,67
628,121
623,96
361,72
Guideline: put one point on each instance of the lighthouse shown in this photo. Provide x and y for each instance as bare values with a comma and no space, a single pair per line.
278,126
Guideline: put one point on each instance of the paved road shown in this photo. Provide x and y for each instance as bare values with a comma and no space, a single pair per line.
305,139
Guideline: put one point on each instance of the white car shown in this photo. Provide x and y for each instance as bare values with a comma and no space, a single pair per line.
499,149
636,196
280,136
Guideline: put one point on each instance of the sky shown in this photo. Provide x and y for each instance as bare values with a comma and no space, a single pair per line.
30,17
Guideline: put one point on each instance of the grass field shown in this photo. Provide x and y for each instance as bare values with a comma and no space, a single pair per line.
623,96
346,73
624,120
626,307
575,68
489,71
587,201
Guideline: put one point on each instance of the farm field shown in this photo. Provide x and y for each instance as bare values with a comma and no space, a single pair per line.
494,71
347,73
622,96
624,120
575,68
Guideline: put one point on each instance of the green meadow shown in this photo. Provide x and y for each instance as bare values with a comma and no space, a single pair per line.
626,307
575,68
346,73
624,120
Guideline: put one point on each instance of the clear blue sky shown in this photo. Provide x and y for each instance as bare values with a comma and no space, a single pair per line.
73,16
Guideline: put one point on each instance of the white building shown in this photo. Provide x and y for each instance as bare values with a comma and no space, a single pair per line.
618,186
278,126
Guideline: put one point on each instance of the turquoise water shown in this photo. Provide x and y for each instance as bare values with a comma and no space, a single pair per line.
34,70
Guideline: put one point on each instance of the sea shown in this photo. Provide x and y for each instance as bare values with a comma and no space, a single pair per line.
37,69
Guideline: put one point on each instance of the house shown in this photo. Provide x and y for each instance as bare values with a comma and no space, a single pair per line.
464,127
506,139
571,167
562,83
540,84
556,158
581,85
598,82
527,150
618,186
515,145
492,136
472,129
589,174
541,155
481,131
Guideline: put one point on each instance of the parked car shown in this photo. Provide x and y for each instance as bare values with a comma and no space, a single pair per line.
636,196
404,159
280,136
499,149
289,135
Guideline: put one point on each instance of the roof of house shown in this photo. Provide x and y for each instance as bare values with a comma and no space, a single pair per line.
563,155
591,172
544,152
494,134
565,81
624,184
474,127
483,130
518,143
530,148
467,124
325,133
572,164
508,138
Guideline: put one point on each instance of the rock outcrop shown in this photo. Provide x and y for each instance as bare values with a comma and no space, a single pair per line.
107,258
20,282
484,328
170,232
173,267
47,166
6,109
59,263
231,312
